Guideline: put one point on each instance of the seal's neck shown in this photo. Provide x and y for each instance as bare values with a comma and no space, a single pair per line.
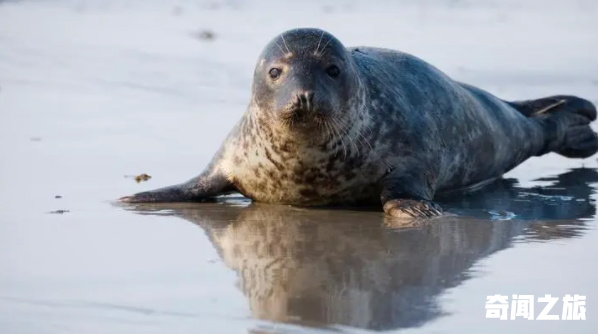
346,135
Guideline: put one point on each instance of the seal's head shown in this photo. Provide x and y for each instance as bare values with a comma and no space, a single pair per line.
304,79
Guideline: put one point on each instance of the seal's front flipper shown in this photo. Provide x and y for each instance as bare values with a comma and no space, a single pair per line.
174,193
566,123
201,188
408,194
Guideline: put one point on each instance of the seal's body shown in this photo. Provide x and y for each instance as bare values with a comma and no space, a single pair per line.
335,125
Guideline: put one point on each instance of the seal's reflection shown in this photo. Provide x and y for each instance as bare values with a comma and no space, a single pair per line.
318,267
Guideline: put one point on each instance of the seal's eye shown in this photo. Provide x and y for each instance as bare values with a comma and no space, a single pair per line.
275,73
333,71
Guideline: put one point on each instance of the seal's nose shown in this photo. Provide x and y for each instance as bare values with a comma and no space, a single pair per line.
304,100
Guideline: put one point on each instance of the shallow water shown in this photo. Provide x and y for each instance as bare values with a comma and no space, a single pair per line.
92,91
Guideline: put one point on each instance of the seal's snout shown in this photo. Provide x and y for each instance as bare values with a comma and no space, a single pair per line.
303,101
303,109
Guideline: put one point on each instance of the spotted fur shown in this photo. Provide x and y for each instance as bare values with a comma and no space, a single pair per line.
390,128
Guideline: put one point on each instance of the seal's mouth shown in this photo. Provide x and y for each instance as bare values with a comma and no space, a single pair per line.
301,118
312,124
302,111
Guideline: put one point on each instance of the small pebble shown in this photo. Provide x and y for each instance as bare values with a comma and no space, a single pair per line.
60,212
142,177
206,35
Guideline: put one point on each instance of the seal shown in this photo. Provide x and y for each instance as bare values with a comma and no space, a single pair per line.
335,125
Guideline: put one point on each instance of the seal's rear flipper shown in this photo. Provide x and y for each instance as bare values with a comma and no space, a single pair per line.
531,108
566,122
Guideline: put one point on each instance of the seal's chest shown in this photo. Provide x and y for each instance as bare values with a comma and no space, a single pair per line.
305,178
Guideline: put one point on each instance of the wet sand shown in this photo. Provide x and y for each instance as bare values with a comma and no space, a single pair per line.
93,91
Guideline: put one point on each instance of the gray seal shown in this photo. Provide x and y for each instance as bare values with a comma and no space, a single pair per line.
331,125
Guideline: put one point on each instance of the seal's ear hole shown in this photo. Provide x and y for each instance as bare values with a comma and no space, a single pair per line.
333,71
275,73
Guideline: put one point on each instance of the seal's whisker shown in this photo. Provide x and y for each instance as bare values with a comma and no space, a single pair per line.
320,41
335,127
367,141
367,127
281,50
335,136
330,135
370,131
360,137
346,133
285,43
325,45
364,138
326,133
